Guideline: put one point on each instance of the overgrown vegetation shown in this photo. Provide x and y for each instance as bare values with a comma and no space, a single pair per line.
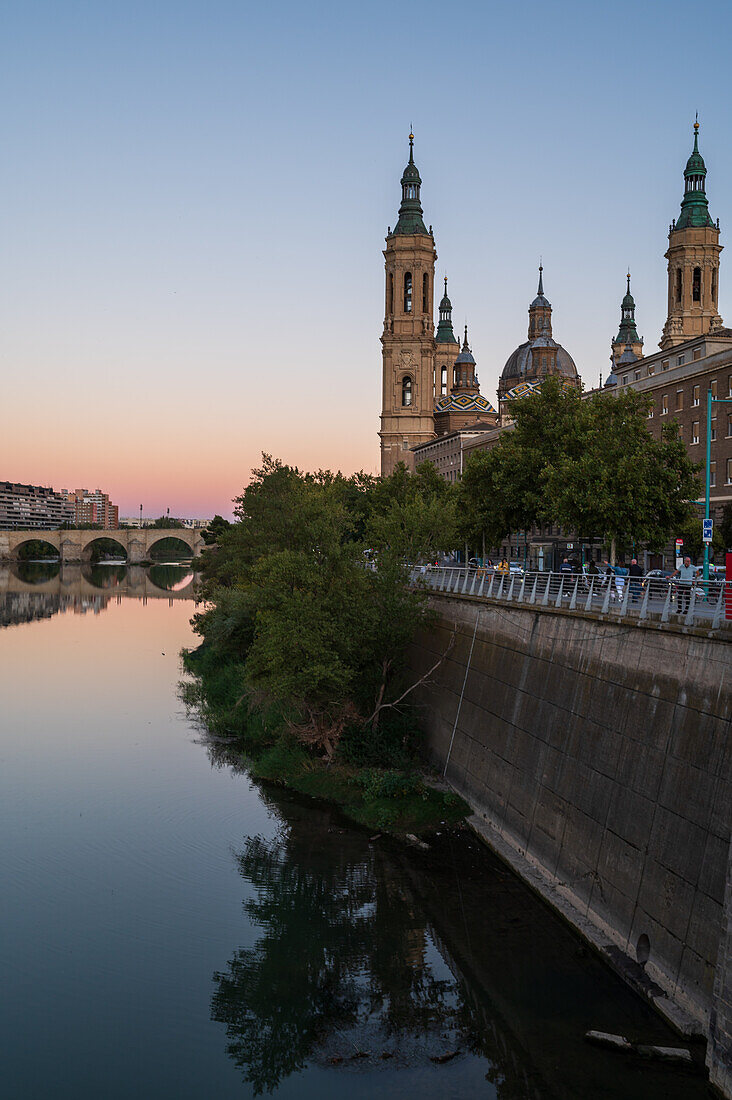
304,645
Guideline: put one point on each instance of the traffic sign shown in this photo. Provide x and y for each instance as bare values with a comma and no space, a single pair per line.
707,528
679,543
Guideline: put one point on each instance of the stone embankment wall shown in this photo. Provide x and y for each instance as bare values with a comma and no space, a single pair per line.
597,757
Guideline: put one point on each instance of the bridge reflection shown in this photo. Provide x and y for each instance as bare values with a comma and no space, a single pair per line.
33,590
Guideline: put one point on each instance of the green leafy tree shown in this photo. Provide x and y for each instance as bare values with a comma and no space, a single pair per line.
215,529
589,466
617,481
691,532
166,522
323,638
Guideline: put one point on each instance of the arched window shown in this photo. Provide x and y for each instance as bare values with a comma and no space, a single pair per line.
406,391
407,291
714,286
678,284
443,380
425,292
390,295
696,285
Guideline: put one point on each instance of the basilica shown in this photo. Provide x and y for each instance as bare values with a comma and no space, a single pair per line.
432,407
430,383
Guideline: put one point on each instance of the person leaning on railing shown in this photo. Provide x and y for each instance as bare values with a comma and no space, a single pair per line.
502,567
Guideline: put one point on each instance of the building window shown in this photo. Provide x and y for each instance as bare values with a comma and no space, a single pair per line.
664,404
713,387
696,285
697,353
712,474
651,369
695,396
729,471
680,361
714,286
405,444
625,380
664,364
650,413
406,391
425,292
636,376
678,284
729,385
443,380
695,431
390,295
714,429
407,291
679,431
729,425
679,400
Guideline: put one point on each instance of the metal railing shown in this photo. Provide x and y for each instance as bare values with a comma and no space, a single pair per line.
704,603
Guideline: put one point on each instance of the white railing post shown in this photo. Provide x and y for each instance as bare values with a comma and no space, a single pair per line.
644,602
717,617
489,593
610,585
509,594
689,620
626,594
667,605
532,597
573,601
521,590
545,600
558,601
588,601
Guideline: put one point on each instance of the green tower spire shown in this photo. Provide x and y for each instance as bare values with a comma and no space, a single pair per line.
695,205
445,334
410,212
627,333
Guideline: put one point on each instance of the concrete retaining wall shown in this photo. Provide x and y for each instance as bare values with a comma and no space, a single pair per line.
598,758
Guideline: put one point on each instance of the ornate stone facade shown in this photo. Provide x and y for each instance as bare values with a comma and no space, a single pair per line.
693,260
419,366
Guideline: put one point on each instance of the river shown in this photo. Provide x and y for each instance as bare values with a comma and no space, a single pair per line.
171,929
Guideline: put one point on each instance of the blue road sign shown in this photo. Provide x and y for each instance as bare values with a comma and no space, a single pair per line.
707,528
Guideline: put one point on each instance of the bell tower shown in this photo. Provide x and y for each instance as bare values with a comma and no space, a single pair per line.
693,260
627,333
408,339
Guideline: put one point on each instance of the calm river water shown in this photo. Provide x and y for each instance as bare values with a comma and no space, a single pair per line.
170,929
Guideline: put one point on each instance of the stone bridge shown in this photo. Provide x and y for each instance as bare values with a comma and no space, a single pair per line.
77,545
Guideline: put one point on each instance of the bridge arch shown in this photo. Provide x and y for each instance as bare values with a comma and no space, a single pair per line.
176,538
38,545
103,544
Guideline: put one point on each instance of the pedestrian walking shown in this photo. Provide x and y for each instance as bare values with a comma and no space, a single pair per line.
686,574
621,573
635,573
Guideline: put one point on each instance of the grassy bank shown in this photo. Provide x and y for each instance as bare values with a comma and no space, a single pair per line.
398,799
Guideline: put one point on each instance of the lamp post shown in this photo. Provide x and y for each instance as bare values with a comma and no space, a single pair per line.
710,401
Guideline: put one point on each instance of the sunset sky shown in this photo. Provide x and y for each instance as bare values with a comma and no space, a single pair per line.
196,197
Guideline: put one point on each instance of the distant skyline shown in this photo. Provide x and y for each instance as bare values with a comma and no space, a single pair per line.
196,199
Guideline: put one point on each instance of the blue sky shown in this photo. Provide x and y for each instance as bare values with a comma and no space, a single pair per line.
196,196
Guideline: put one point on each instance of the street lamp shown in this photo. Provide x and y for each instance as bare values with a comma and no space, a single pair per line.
710,401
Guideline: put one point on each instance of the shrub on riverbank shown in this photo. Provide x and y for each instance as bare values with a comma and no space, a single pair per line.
304,655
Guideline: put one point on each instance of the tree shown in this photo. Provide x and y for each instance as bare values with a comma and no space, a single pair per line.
504,490
215,529
166,521
619,482
588,466
323,638
691,532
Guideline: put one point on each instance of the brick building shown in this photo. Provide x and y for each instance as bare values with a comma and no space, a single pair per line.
94,506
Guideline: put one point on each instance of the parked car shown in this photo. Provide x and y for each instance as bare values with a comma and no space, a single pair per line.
658,582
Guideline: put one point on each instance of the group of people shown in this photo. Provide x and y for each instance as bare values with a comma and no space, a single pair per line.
612,575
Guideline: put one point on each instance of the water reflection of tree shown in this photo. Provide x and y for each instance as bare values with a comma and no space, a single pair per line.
173,578
341,967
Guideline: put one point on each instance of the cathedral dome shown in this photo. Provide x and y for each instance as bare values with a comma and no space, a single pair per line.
521,363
